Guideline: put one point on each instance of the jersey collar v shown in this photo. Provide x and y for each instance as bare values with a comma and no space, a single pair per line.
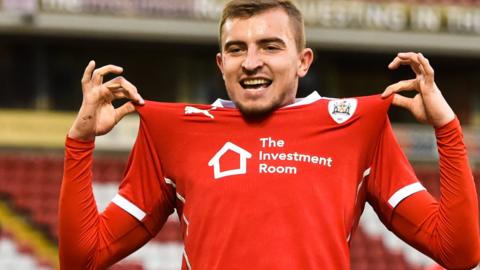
314,96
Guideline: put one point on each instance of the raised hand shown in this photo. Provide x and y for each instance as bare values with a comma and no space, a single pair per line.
97,115
428,105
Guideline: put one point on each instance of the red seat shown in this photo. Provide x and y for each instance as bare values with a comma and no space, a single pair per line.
370,253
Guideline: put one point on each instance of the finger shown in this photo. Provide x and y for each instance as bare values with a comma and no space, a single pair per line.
406,85
112,85
409,58
131,91
120,84
407,55
99,73
402,58
427,68
123,110
87,74
120,93
401,101
396,62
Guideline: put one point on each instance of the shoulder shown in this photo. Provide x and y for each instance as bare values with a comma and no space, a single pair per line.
155,109
360,109
158,113
374,104
152,107
363,104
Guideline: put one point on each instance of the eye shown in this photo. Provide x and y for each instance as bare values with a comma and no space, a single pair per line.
272,47
234,49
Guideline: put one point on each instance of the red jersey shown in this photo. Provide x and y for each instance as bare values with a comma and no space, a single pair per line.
285,192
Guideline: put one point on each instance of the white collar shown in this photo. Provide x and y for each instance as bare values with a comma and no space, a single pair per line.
314,96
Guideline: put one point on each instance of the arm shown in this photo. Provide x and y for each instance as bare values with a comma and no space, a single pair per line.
87,239
447,230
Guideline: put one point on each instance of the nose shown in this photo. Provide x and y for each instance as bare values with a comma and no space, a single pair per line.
252,62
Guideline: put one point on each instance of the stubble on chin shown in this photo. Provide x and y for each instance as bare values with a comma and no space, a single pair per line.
256,113
259,111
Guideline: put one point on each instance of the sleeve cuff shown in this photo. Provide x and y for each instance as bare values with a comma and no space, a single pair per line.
448,128
79,144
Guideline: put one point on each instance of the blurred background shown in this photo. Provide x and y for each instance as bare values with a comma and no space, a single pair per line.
167,49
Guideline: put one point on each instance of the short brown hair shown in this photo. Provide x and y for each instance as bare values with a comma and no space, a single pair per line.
249,8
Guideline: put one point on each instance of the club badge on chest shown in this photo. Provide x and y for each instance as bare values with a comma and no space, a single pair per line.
342,109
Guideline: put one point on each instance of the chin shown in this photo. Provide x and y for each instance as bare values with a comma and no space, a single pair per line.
256,112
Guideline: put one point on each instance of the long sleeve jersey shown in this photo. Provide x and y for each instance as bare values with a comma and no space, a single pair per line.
284,192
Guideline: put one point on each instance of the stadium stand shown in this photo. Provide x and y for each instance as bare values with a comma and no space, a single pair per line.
15,256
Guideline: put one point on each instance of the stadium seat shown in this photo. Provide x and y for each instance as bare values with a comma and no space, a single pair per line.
15,255
370,253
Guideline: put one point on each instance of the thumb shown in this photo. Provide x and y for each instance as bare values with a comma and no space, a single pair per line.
123,110
401,101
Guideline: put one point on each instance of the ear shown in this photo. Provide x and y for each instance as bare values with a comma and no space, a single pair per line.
305,60
219,60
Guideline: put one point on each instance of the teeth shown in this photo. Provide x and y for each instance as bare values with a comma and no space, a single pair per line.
255,82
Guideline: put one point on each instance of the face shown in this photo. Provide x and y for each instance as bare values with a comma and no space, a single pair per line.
260,62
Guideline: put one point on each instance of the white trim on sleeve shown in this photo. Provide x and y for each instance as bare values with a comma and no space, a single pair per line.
129,207
404,192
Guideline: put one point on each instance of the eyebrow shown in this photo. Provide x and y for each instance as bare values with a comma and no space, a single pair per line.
272,40
261,42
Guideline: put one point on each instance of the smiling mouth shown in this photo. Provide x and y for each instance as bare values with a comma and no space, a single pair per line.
255,83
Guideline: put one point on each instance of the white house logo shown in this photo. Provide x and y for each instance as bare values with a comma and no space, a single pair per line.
193,110
342,109
242,160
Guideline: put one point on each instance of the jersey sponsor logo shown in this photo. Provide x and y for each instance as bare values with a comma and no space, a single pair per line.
243,155
342,109
193,110
272,150
272,157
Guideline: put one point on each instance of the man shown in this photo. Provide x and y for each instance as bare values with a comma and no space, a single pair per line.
266,181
